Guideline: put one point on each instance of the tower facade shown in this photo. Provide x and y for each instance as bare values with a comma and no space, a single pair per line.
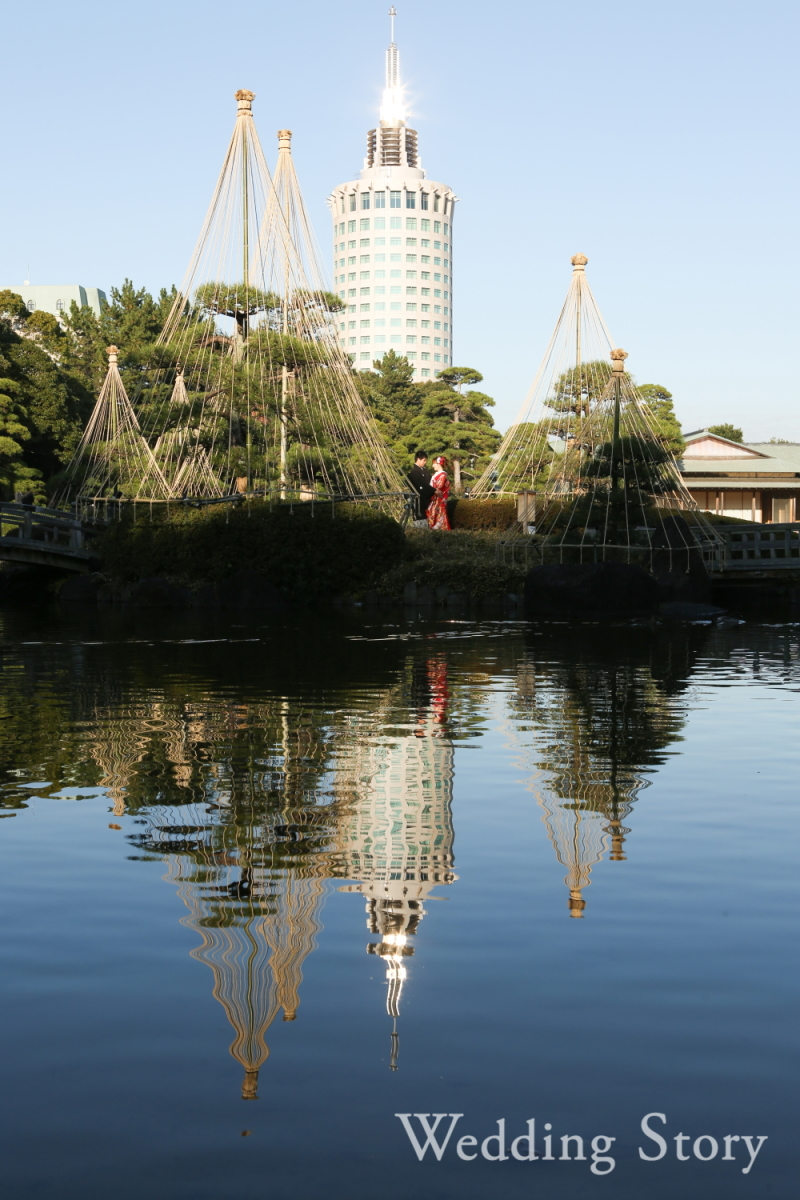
393,246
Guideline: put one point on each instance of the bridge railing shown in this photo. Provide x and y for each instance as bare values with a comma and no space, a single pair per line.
754,548
42,525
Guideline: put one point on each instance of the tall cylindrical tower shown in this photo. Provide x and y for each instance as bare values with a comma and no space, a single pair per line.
393,246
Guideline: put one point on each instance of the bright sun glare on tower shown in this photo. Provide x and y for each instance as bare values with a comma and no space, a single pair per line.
393,108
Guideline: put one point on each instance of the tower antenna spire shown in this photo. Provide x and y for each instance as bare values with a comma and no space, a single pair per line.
392,15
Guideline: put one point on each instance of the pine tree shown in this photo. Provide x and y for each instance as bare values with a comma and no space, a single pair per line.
395,401
459,427
659,402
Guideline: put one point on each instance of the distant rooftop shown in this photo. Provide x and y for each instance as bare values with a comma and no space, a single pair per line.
56,298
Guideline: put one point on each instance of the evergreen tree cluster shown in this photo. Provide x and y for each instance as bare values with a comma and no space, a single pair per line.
439,416
51,372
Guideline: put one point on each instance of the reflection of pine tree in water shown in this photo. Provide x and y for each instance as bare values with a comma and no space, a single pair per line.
395,833
247,851
603,725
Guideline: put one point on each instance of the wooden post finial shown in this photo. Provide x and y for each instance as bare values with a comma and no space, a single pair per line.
579,261
244,100
618,361
285,139
112,353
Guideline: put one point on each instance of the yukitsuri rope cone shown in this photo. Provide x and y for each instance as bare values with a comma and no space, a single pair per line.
249,389
113,457
597,470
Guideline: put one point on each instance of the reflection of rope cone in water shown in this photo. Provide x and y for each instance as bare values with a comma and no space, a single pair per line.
255,944
604,729
396,833
578,837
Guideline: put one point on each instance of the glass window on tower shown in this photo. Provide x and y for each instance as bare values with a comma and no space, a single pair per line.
365,199
351,226
394,199
424,225
380,200
411,223
395,222
435,202
411,199
364,225
437,226
380,223
423,200
352,202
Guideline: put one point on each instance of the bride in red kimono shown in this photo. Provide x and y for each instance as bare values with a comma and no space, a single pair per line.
437,508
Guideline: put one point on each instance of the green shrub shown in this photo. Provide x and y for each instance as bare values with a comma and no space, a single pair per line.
458,562
307,552
482,514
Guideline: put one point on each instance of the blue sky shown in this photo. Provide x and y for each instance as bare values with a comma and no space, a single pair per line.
660,140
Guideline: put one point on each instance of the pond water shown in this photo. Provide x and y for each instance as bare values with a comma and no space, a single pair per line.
267,884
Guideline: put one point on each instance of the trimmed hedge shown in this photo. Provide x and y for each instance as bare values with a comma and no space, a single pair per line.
308,554
482,514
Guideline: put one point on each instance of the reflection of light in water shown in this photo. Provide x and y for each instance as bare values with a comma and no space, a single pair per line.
395,833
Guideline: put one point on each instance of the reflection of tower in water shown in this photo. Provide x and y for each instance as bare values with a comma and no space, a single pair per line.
395,833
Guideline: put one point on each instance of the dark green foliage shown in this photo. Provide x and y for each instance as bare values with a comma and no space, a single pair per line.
577,390
308,552
458,426
659,403
482,514
732,432
431,416
456,377
42,413
47,330
395,402
131,321
12,306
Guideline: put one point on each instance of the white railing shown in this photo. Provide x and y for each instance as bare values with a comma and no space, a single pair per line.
754,548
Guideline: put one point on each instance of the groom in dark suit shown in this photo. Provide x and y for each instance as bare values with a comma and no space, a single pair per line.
420,479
